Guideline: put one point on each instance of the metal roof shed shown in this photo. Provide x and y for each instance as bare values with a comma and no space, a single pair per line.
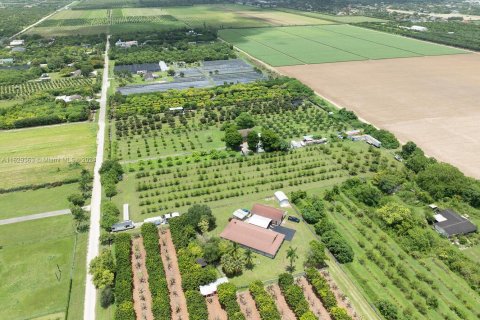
259,221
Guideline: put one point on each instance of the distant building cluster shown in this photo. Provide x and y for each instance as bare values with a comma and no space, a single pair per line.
357,135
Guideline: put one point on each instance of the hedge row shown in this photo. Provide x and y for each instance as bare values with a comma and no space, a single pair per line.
325,294
157,281
227,295
39,186
293,295
265,304
123,278
196,305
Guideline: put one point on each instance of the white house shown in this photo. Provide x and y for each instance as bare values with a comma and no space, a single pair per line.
419,28
125,44
282,199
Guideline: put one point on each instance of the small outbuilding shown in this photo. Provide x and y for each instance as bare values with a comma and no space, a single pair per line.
259,221
211,288
240,214
275,214
449,223
282,199
155,220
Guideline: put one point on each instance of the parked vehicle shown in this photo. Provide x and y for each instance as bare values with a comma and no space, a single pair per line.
294,219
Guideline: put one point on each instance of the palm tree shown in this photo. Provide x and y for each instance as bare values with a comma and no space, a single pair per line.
292,256
249,259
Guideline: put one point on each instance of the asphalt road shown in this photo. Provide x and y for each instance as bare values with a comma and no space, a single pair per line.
94,234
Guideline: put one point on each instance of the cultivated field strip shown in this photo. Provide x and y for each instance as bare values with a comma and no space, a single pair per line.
327,43
28,88
416,275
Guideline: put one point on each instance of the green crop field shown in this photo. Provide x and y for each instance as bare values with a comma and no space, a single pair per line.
21,203
328,43
46,154
119,20
33,286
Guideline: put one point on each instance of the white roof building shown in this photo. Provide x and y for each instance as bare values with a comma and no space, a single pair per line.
240,214
419,28
126,214
211,288
259,221
154,220
175,214
282,199
163,66
14,43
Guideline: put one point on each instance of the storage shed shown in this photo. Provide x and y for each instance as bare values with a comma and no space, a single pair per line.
282,199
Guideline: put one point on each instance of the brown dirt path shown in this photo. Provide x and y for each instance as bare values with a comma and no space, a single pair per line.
215,311
315,304
178,302
342,299
247,306
142,299
282,306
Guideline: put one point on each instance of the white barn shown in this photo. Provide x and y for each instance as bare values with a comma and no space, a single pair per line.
282,199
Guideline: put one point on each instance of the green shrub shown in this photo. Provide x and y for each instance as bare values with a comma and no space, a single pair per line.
196,305
227,295
264,302
123,278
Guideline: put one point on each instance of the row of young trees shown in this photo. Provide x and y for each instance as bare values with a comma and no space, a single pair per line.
157,281
324,293
123,278
184,230
264,302
227,295
293,295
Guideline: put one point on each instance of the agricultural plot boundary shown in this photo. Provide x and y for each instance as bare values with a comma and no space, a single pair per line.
283,46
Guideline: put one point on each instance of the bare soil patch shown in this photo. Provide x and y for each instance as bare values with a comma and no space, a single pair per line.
247,306
433,101
282,306
315,304
215,311
178,302
142,299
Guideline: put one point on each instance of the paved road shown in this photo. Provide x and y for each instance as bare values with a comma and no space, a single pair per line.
35,216
94,234
40,21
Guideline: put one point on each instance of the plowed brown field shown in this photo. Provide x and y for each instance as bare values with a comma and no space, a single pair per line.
433,101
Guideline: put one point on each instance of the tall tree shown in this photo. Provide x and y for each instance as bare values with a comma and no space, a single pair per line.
292,256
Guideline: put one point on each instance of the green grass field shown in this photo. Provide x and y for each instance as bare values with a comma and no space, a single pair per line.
45,154
32,285
120,20
21,203
328,43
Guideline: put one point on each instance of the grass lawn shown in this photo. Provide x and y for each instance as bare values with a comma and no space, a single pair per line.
31,284
326,43
45,154
473,252
21,203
